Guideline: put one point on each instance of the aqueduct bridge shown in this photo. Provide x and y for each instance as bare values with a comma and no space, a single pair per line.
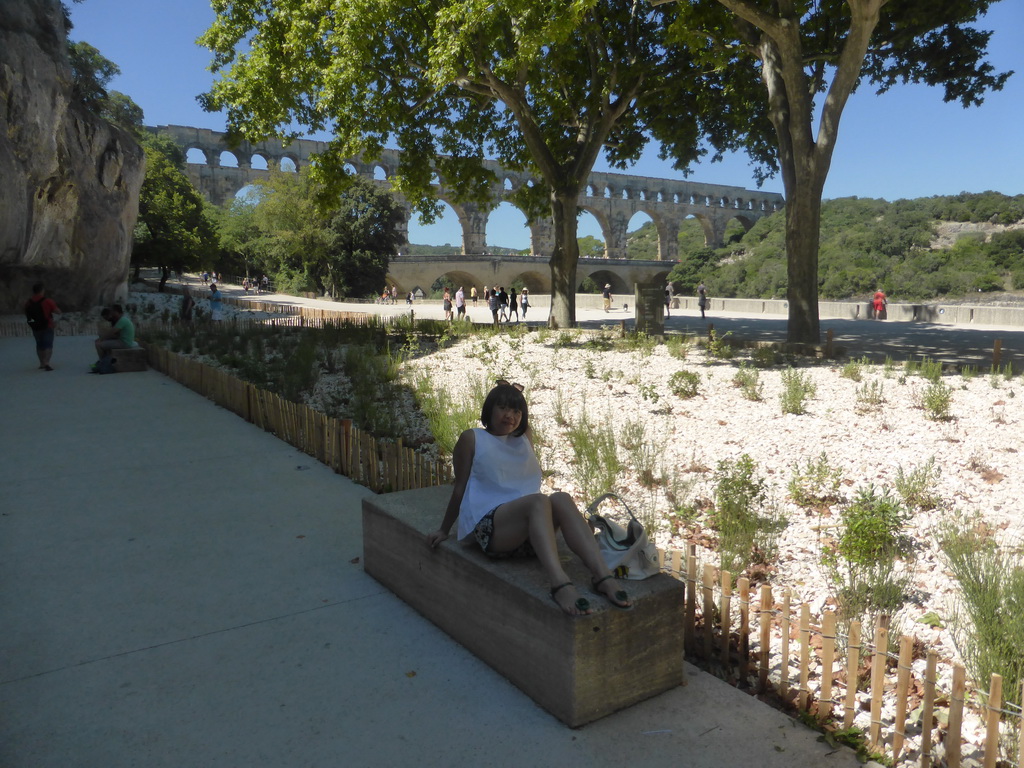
612,198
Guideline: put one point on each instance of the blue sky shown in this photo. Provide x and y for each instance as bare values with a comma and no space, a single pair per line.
903,144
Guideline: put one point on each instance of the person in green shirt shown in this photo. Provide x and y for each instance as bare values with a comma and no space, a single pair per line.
120,335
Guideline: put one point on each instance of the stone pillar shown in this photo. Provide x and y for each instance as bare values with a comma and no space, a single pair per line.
542,238
212,157
615,240
474,228
668,239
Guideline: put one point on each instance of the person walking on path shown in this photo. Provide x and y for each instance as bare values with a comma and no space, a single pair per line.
472,294
493,304
460,304
503,303
524,302
702,297
40,311
216,306
446,302
188,304
497,500
607,293
878,304
668,299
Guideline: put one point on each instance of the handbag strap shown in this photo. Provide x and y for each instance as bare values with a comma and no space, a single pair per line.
592,507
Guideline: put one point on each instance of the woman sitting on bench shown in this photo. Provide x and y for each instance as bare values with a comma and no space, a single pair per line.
497,498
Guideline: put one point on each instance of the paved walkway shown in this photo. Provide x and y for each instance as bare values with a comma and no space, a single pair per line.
179,588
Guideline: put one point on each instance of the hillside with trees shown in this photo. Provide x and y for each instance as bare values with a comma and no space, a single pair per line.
912,249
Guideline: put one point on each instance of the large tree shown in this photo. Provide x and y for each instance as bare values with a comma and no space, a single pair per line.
540,85
799,60
335,242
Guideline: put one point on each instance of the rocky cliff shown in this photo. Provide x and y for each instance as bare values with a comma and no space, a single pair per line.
69,181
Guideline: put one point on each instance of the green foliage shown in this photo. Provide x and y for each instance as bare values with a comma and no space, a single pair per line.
860,563
684,384
596,465
448,415
815,484
173,230
309,239
642,454
720,346
747,521
677,345
870,396
926,368
749,381
936,400
91,72
987,621
797,388
917,487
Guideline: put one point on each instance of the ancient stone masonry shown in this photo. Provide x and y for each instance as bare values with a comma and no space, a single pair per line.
613,198
70,181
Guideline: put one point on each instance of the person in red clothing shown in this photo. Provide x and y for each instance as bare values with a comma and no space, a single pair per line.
39,310
878,304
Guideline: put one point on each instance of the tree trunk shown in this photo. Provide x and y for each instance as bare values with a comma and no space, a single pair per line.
803,219
564,260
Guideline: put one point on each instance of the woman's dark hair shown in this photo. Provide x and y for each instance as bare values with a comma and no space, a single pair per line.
507,396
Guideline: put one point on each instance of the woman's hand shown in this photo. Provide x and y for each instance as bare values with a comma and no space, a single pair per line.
435,538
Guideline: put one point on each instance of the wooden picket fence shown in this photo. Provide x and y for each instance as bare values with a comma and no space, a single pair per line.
380,465
744,657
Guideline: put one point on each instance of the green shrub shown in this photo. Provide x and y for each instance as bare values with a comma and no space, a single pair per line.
684,384
936,400
916,488
969,371
987,621
860,563
816,483
797,388
765,357
870,396
447,415
749,381
642,454
926,368
852,370
747,521
678,345
596,465
720,346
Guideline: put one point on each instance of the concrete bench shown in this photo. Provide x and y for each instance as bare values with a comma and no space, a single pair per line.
129,360
578,669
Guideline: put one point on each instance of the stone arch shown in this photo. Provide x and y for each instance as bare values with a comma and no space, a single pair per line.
195,156
633,226
729,231
228,159
601,277
288,163
259,161
535,282
380,172
602,222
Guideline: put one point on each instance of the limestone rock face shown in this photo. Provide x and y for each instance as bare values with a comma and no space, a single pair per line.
69,181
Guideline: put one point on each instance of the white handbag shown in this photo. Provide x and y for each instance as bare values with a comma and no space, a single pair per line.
626,551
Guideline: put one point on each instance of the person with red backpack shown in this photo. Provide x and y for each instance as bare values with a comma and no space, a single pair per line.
39,311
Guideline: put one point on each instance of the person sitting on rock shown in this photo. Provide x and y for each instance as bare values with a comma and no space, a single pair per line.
497,499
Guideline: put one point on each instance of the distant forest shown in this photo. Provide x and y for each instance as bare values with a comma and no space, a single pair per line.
865,244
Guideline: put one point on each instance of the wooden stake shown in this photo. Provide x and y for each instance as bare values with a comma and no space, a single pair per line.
709,608
828,655
954,734
997,354
765,620
744,671
928,715
878,680
691,598
853,648
992,717
902,686
726,619
785,623
805,656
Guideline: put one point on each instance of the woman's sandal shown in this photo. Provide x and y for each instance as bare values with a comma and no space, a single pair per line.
619,598
582,604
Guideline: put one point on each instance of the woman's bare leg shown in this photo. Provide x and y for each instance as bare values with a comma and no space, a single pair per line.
532,517
580,537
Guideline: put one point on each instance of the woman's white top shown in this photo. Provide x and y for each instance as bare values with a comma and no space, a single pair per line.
504,468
